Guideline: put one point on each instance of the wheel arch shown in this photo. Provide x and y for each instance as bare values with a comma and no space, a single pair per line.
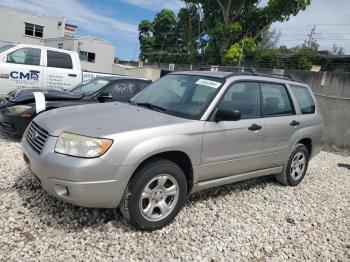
307,142
178,157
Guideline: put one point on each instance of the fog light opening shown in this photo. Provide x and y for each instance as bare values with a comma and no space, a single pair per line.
62,190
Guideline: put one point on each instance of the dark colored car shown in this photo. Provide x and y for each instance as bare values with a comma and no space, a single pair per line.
18,108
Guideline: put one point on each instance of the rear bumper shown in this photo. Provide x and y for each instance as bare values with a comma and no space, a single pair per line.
13,124
82,182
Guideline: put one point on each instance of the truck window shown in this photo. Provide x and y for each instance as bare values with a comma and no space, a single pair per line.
275,100
59,60
25,56
304,98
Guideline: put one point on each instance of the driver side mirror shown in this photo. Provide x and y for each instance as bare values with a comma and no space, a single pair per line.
227,115
105,96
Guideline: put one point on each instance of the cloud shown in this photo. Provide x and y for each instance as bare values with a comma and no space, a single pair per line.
78,13
156,5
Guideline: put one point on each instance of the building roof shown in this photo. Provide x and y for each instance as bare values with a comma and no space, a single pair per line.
95,38
125,66
75,37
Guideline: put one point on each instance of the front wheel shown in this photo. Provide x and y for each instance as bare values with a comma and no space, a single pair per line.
295,169
154,195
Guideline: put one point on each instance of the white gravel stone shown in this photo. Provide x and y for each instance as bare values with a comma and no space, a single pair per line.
252,220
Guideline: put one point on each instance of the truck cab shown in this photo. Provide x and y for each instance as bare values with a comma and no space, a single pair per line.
28,66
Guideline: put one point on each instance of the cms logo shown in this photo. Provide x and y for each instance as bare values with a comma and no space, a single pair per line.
24,76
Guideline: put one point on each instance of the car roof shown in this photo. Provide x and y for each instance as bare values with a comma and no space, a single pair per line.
217,74
246,72
114,78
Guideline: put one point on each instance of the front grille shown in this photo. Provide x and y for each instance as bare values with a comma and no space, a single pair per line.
36,137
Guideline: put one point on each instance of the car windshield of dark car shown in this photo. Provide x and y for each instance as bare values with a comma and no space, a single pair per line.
90,87
185,96
5,47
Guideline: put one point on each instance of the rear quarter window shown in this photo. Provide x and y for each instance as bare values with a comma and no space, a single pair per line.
304,98
59,60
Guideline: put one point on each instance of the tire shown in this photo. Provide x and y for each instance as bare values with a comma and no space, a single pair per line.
290,178
146,203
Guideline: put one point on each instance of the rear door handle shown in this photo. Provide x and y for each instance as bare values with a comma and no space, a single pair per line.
254,127
34,71
294,123
72,75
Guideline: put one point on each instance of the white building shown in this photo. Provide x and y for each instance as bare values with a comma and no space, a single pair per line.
18,26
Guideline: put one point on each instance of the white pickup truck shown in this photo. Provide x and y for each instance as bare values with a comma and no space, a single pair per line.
39,66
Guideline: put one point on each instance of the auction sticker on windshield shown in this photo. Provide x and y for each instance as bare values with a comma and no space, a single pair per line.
209,83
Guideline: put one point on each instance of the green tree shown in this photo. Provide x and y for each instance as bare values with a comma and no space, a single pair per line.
226,22
236,52
302,59
268,58
146,39
164,34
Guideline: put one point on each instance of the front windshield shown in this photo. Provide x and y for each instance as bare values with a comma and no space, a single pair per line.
5,47
181,95
90,87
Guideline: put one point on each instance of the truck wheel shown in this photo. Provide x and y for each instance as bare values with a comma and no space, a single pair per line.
295,170
154,195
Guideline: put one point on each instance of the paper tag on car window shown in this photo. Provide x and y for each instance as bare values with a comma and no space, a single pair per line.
40,103
205,82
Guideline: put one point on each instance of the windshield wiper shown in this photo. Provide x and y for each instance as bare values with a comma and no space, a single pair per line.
152,106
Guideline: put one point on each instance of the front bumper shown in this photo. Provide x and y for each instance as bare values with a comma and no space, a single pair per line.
82,182
13,124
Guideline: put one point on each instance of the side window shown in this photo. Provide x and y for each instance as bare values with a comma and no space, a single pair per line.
243,96
59,60
304,98
275,100
25,56
122,90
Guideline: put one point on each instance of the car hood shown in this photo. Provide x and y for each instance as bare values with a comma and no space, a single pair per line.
21,95
102,120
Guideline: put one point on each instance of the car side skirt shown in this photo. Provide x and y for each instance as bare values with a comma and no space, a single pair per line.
236,178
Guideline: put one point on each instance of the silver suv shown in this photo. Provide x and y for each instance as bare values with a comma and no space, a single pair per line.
185,132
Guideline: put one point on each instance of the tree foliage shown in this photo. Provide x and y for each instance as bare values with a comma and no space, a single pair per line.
211,30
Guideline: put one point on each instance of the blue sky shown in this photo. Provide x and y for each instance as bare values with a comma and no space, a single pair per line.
117,20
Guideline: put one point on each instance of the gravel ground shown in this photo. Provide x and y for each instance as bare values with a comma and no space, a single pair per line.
253,220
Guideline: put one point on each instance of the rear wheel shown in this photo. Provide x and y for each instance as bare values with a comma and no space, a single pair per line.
154,195
295,170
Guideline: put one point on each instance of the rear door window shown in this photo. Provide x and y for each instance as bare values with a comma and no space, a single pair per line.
304,98
59,60
275,100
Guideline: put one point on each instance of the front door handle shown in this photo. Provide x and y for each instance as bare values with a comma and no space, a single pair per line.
254,127
294,123
34,71
72,75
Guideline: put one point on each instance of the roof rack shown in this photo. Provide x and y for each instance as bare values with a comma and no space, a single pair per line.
254,72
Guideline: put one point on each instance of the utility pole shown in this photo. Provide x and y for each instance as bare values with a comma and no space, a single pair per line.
311,36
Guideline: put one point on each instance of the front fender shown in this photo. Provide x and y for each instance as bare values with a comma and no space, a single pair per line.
190,145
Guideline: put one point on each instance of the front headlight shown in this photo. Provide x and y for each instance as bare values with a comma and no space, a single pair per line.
81,146
18,109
